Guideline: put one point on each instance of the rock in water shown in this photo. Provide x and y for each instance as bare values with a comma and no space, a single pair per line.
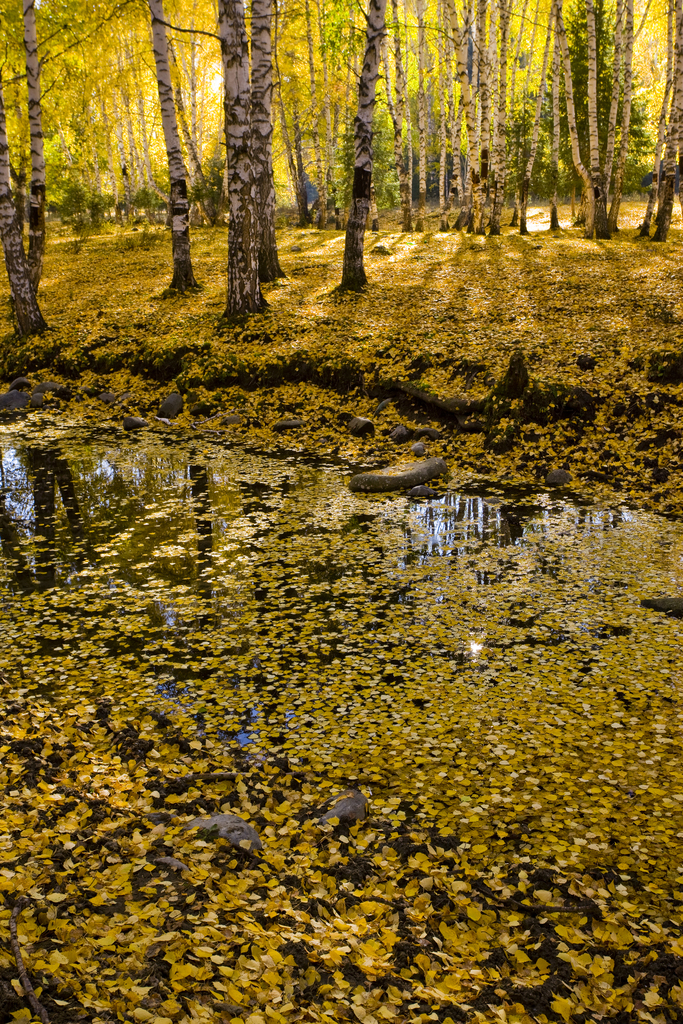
58,390
360,427
398,478
19,384
14,400
37,401
418,449
429,432
349,806
108,397
670,605
171,406
400,434
282,425
133,423
422,491
232,420
229,826
557,477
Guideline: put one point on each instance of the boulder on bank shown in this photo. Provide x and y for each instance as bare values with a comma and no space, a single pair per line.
171,406
349,806
558,477
53,387
398,478
14,400
669,605
359,426
19,384
400,434
231,827
134,423
283,425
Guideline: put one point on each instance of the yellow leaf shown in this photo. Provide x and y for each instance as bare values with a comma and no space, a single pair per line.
474,913
563,1007
57,897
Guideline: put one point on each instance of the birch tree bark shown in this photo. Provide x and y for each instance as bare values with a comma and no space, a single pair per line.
597,177
262,137
616,92
661,127
113,184
36,223
456,196
183,276
421,114
315,133
397,113
327,109
555,149
295,165
302,193
125,177
513,94
443,196
244,291
195,172
526,181
612,220
571,121
501,147
29,318
666,198
353,273
460,40
484,61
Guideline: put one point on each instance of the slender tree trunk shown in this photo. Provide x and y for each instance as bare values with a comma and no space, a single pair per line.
353,274
526,181
571,120
374,212
302,192
397,112
666,196
461,39
262,137
327,109
409,124
501,148
183,276
36,224
295,174
555,152
661,127
189,132
421,114
29,317
244,291
625,121
597,178
443,150
315,133
513,95
455,195
484,63
125,177
616,89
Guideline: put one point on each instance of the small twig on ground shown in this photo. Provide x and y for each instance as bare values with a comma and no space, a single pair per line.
37,1007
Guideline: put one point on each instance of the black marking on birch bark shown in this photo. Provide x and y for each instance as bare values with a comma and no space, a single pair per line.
362,181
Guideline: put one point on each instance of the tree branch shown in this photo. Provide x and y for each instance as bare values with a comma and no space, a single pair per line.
37,1007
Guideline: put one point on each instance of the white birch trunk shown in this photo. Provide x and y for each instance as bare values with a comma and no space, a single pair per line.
666,197
183,276
353,274
513,94
315,133
526,182
485,108
661,127
501,114
612,220
125,176
397,112
571,120
29,318
36,223
597,179
443,149
113,184
616,90
327,109
555,149
262,137
460,38
421,114
244,291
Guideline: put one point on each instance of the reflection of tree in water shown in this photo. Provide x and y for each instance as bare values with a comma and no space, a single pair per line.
50,471
203,521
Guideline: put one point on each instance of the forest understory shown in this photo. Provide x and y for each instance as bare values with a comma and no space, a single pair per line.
599,326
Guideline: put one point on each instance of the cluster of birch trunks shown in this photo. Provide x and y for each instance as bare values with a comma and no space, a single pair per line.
478,45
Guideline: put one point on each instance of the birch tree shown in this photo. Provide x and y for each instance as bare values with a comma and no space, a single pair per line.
25,304
571,121
397,114
555,148
460,40
661,126
262,137
421,114
443,198
501,115
36,223
596,175
353,273
244,291
666,198
526,181
315,132
625,121
183,277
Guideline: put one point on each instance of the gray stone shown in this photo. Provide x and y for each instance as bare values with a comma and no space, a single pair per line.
229,826
429,432
361,427
295,248
107,397
19,384
54,388
37,401
400,434
171,406
398,478
171,864
14,400
349,806
670,605
134,423
282,425
418,449
381,250
558,477
422,491
232,420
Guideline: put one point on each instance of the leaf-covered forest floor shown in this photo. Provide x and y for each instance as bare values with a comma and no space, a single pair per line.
481,668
